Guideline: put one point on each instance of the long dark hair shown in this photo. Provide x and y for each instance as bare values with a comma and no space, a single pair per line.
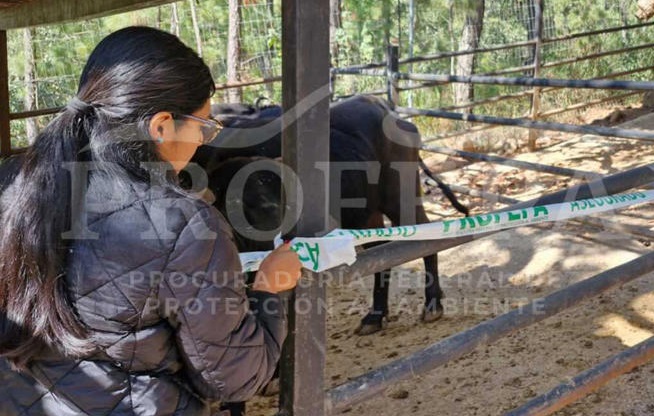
131,75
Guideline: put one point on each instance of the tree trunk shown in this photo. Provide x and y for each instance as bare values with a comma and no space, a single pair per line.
529,22
196,27
412,23
470,35
450,29
334,26
31,126
624,17
234,95
174,20
268,70
386,13
159,17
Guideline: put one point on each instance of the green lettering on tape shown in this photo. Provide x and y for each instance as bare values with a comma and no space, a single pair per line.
307,252
513,216
446,225
540,211
408,231
484,220
469,221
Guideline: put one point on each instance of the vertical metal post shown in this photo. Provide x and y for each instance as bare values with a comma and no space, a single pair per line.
5,132
392,66
535,97
305,99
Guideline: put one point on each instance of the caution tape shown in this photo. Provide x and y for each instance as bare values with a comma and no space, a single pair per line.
338,246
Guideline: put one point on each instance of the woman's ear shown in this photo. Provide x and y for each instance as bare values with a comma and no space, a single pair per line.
162,127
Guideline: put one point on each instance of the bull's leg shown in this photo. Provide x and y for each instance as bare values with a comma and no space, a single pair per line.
433,308
433,293
374,321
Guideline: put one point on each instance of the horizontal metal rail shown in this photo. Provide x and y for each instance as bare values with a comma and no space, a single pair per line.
491,100
458,133
511,70
455,346
538,125
580,106
392,254
19,150
521,94
533,82
588,381
35,113
538,167
419,86
375,92
596,32
442,55
596,55
370,65
524,68
370,72
505,97
476,193
259,81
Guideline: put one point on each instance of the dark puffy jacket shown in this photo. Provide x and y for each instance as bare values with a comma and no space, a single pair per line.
159,286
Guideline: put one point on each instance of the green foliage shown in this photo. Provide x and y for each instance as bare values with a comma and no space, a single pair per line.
61,50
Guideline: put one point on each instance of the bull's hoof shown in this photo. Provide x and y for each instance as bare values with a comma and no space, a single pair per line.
431,316
371,324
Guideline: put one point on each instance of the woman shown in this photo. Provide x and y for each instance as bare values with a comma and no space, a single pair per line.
119,293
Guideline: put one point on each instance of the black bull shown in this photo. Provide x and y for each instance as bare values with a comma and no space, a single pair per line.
374,161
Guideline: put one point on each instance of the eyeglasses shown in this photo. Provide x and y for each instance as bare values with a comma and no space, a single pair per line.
210,127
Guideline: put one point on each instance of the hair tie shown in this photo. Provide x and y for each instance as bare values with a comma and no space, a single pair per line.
80,106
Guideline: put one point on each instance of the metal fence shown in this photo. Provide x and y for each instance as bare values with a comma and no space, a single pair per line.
550,43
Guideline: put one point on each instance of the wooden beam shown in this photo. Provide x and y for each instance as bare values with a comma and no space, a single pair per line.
305,135
11,3
41,12
5,132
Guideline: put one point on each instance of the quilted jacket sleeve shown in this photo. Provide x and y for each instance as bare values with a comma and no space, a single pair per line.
230,344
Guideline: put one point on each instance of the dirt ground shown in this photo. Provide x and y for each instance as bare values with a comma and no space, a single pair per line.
486,277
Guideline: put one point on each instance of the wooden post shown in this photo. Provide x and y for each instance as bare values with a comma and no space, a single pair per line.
392,66
535,97
5,132
305,138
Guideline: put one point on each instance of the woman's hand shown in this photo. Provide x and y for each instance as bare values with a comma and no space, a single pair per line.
279,271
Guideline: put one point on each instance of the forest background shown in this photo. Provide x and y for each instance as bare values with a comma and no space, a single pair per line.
241,41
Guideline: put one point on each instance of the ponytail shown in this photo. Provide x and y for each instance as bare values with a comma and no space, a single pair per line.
35,210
